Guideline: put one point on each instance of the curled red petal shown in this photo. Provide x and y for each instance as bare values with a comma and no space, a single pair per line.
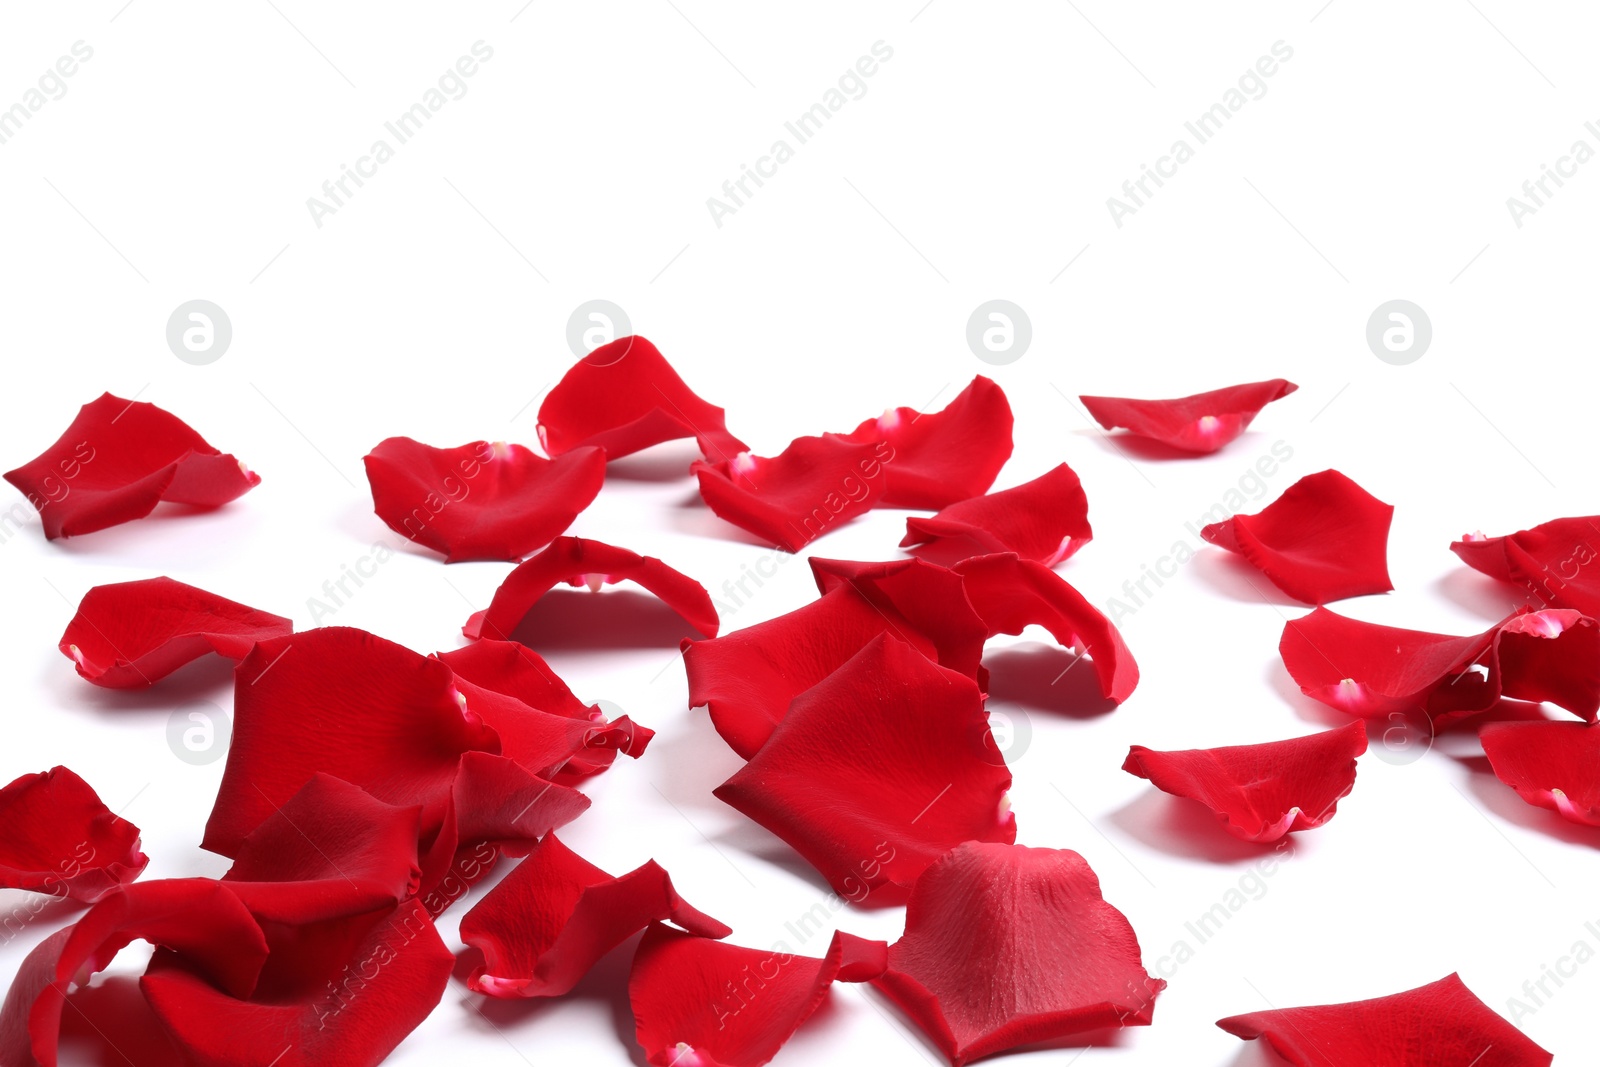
578,561
343,702
1557,562
1261,792
117,461
131,634
1441,1024
1551,656
480,500
1325,538
878,770
1007,946
814,486
1201,423
1550,765
58,837
556,914
625,396
704,1003
1045,520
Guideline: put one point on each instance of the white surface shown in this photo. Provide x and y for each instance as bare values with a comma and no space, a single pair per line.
975,167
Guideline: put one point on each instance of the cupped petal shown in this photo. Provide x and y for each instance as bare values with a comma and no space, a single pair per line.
1557,562
1200,423
878,770
1325,538
1007,946
1551,656
1551,765
57,837
132,634
480,500
1441,1024
624,396
1261,792
812,487
1045,520
556,914
117,461
578,561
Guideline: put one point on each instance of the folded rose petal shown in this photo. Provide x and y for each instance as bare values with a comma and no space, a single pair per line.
1045,520
1325,538
1203,422
1557,562
57,837
1551,656
578,561
343,702
1261,792
937,458
814,486
1553,765
1007,946
556,914
131,634
480,500
624,397
878,770
703,1003
1441,1024
117,461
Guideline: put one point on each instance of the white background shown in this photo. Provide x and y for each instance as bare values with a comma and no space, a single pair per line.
977,165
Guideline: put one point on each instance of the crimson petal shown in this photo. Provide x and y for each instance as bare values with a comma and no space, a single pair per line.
1553,561
130,634
117,461
789,500
1007,946
1550,765
578,561
480,501
1441,1024
1202,423
57,837
1045,520
1261,792
625,396
878,770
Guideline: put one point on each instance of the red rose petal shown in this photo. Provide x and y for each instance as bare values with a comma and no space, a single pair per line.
117,461
814,486
1261,792
130,634
1437,1025
624,397
1325,538
1007,946
1202,423
1551,656
480,501
1550,764
878,770
556,914
703,1003
578,561
1045,520
57,837
1554,561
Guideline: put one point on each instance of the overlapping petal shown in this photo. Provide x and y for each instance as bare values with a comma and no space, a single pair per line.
812,487
1045,520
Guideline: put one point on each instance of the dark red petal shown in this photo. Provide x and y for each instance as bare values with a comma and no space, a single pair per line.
1007,946
814,486
1553,562
1550,765
117,461
130,634
346,703
480,501
197,917
878,770
942,457
1437,1025
624,396
1551,656
1011,594
578,561
556,914
1261,792
547,744
703,1003
57,837
1045,520
1325,538
1203,422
